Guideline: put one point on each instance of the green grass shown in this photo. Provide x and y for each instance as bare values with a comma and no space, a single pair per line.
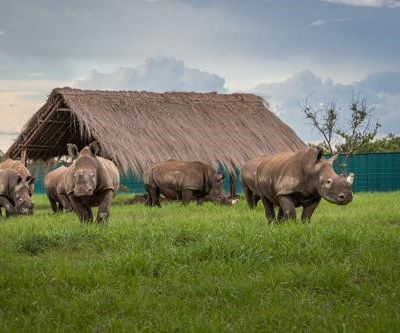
203,269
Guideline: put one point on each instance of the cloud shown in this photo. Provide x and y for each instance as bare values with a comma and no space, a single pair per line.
157,74
318,23
381,90
18,101
2,32
367,3
383,82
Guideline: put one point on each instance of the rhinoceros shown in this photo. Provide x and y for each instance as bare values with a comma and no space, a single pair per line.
184,181
91,181
55,189
293,179
22,170
248,173
14,193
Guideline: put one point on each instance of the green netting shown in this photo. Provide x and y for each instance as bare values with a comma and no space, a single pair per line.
374,173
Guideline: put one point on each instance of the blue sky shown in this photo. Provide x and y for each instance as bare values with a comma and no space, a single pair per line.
283,50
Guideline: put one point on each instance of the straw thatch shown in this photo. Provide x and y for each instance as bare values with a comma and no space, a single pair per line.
136,129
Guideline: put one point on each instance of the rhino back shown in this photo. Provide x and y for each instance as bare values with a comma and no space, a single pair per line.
249,172
179,175
282,174
18,166
108,175
53,179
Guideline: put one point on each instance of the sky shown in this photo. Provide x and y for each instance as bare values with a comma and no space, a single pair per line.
283,50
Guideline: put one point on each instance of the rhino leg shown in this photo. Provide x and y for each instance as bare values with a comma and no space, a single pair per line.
53,203
256,199
104,208
288,207
186,196
280,216
154,196
309,210
79,209
269,209
4,202
64,203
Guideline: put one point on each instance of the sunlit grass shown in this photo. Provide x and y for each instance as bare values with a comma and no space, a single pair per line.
205,268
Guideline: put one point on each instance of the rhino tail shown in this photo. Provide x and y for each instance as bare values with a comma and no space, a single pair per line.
249,196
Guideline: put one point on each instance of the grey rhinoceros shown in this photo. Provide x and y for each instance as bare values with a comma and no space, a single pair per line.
91,181
14,193
184,181
22,170
55,189
293,179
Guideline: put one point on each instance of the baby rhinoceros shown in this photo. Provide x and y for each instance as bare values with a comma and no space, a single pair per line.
55,189
21,170
14,193
289,180
184,181
91,181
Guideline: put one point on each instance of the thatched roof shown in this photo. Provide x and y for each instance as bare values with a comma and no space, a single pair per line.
136,129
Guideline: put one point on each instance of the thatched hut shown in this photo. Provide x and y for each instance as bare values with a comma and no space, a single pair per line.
136,129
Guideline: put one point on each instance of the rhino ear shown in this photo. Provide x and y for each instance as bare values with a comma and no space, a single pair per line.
72,150
94,148
220,176
319,155
30,180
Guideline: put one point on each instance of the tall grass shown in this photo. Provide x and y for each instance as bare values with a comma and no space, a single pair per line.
205,268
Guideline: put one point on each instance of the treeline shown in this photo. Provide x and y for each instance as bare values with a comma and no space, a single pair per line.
387,144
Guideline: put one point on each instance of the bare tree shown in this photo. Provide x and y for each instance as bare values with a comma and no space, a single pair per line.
362,128
323,120
1,155
360,131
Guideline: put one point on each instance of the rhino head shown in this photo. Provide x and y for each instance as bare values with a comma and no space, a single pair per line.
217,193
85,165
334,188
21,195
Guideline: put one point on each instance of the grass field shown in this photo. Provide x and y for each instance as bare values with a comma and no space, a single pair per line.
203,269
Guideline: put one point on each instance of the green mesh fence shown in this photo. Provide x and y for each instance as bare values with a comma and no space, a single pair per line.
374,173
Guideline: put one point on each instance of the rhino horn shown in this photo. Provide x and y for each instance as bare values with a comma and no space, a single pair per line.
335,155
350,178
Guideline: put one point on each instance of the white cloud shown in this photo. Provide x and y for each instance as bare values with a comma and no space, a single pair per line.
155,74
367,3
381,91
18,101
318,23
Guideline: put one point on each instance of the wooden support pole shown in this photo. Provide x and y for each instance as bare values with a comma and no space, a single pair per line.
23,156
232,185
